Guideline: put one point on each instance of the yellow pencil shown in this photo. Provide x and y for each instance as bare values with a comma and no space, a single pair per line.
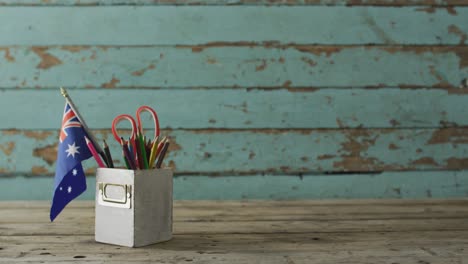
153,152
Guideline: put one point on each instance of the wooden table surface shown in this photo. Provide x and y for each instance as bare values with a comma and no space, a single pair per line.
331,231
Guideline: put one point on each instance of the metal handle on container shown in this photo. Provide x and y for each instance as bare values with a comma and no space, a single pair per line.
123,202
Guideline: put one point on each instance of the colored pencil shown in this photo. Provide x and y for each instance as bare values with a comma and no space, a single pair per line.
160,147
127,155
94,152
154,147
110,162
127,164
148,153
162,154
142,152
134,152
138,153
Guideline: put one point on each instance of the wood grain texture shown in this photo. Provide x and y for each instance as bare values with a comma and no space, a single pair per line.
239,210
246,152
169,25
233,65
413,184
419,247
86,227
245,108
429,3
436,234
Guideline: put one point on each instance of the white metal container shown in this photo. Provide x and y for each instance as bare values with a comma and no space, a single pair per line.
133,207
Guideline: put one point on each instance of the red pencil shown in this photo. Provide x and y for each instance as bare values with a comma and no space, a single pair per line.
95,154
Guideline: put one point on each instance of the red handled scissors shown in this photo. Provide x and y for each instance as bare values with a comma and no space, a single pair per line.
136,137
137,126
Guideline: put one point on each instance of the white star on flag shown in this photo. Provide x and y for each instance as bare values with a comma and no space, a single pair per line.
60,187
74,172
69,189
72,150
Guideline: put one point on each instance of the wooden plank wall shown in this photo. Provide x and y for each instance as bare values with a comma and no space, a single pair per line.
261,98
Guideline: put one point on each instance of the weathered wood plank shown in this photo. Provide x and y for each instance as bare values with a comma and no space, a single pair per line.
86,227
244,152
261,210
430,3
169,25
417,184
409,244
248,259
233,65
31,216
245,108
228,241
219,257
330,205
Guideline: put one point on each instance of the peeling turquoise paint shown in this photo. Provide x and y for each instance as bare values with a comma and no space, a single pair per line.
283,151
413,185
258,100
170,25
290,66
229,2
245,108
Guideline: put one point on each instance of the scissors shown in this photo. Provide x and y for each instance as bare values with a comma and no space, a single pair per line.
137,131
137,126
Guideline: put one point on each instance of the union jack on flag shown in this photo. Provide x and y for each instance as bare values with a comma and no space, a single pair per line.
70,180
69,120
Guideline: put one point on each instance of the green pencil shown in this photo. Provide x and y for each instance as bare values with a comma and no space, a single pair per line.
143,151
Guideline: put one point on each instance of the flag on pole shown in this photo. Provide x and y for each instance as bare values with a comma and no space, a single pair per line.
70,179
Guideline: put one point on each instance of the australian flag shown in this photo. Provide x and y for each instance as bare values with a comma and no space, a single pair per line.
70,179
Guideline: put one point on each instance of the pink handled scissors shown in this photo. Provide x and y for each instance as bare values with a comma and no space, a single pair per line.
154,117
137,126
137,130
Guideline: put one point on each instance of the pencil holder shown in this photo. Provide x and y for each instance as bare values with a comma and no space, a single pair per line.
133,207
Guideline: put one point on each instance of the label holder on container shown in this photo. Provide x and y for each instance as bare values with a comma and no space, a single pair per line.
104,199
